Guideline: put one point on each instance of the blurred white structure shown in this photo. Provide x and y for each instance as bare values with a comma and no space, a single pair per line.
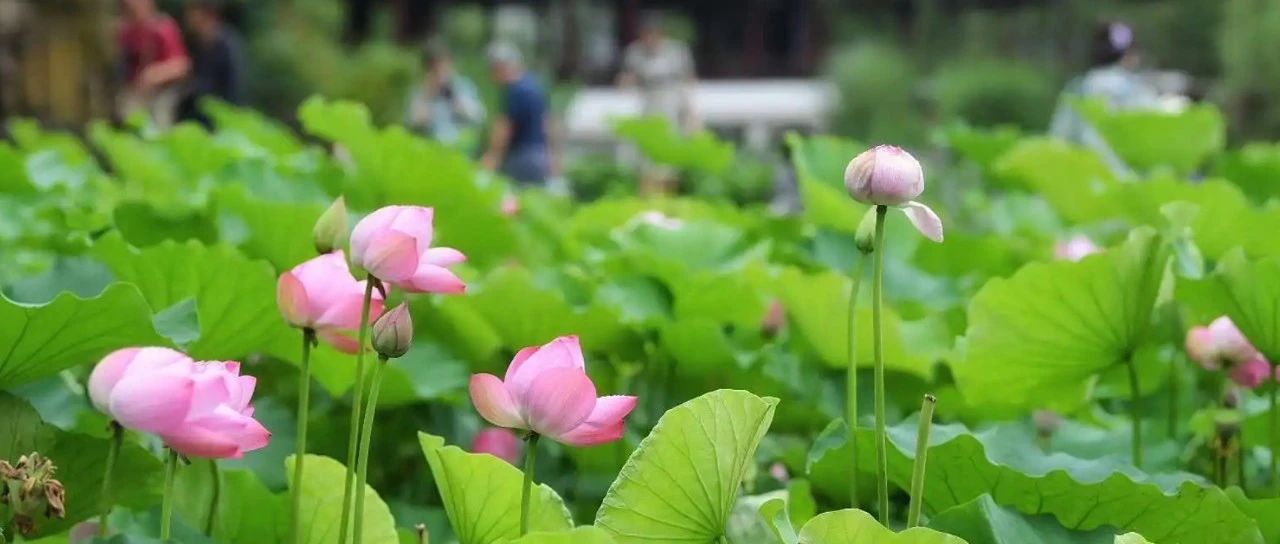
756,111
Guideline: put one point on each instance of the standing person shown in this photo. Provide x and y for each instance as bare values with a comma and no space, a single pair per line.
663,71
445,105
217,60
154,62
518,137
1114,79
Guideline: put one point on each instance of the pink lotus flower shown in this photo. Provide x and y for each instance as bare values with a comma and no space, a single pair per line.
1076,248
1219,345
887,175
198,409
322,295
394,245
510,205
498,442
1251,373
546,390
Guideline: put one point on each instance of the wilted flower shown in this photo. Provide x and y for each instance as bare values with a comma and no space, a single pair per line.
1075,248
498,442
330,232
887,175
322,295
393,332
546,390
30,490
197,409
394,245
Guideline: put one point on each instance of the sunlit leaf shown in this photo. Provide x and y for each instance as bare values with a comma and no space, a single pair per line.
322,504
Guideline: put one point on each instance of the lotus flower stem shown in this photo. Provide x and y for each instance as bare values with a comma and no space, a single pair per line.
877,337
304,408
166,507
851,379
354,437
113,451
1275,430
1135,410
1173,398
922,455
216,496
366,434
530,457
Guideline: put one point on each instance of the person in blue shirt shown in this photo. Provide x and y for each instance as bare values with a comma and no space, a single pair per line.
518,137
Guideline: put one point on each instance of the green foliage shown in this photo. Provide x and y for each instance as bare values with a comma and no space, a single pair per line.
992,92
1246,291
848,526
1151,140
662,143
322,508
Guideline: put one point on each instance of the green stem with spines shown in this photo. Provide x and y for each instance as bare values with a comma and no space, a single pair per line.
353,437
922,456
530,461
304,408
166,507
1135,412
113,453
877,337
851,378
366,435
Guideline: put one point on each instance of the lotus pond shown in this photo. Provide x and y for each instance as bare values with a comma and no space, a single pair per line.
345,333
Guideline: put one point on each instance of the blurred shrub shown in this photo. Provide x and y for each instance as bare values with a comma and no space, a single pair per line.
701,151
990,92
875,85
1251,64
596,176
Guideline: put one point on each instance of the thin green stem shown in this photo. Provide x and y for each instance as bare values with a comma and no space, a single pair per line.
366,434
1135,411
877,337
530,458
113,452
922,456
851,379
353,438
210,523
304,409
1172,431
1275,430
166,507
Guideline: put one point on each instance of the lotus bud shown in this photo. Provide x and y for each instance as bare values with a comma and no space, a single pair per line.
330,232
884,175
393,332
774,318
865,239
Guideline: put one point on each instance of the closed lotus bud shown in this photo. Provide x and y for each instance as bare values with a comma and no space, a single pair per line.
330,232
865,239
884,175
393,332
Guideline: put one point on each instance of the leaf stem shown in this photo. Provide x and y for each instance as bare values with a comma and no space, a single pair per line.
366,434
353,438
851,379
1135,411
216,497
166,507
922,456
304,408
530,457
113,452
877,326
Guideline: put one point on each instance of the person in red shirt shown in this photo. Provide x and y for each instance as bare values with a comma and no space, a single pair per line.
154,61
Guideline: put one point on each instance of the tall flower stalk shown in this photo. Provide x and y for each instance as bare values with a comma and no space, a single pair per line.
166,507
304,408
877,337
866,245
392,336
113,453
922,457
530,463
353,437
1135,413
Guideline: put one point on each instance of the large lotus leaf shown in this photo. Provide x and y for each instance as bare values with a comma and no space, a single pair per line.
481,494
526,314
848,526
1005,463
255,127
234,295
1255,168
819,163
1150,139
1040,337
580,535
658,140
681,483
1131,538
321,513
234,509
1224,218
1247,291
81,464
983,146
982,521
1074,180
818,306
40,340
279,232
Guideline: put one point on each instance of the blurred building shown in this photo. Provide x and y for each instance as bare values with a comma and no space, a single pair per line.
55,59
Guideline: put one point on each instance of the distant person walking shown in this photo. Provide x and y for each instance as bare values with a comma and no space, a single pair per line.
662,70
518,137
154,62
445,105
218,59
1114,79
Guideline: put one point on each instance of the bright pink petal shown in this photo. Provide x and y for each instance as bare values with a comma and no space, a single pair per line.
605,424
343,313
291,298
498,442
415,221
104,377
563,352
1200,346
339,340
924,220
370,227
392,256
518,361
558,401
1251,373
443,256
494,402
155,403
430,278
223,433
